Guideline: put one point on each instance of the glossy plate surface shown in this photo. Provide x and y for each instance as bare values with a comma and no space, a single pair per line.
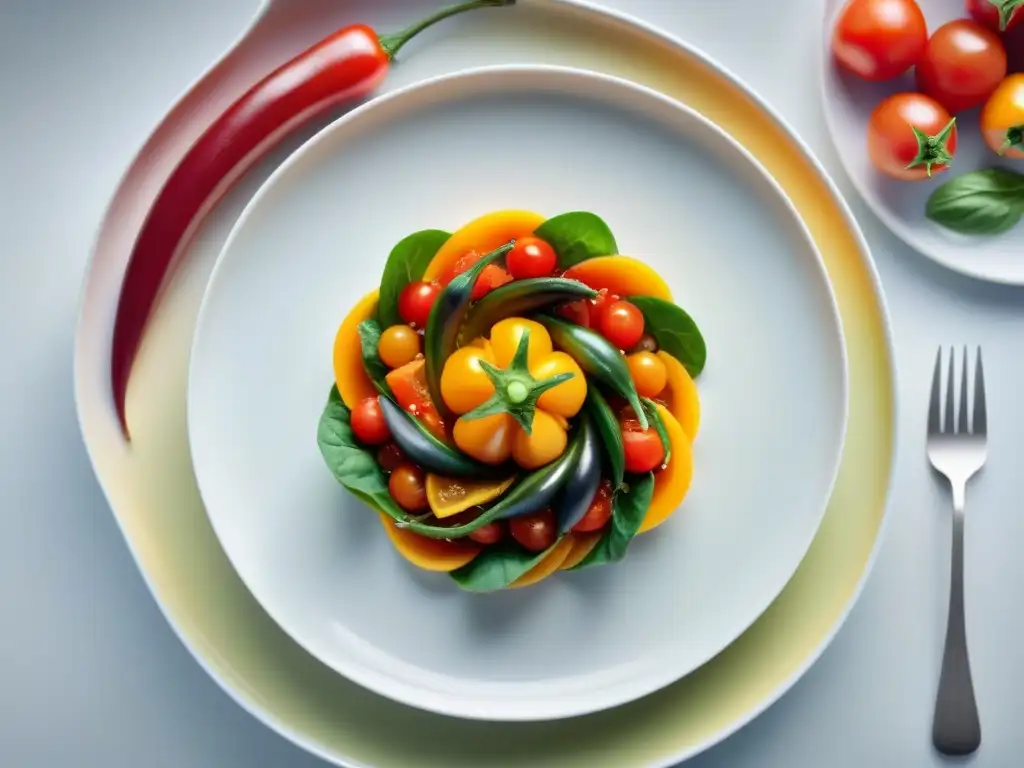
685,199
849,102
152,489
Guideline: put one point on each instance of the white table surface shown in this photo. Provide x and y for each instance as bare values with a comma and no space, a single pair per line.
90,673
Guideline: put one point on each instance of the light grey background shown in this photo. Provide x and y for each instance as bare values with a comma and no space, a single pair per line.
91,675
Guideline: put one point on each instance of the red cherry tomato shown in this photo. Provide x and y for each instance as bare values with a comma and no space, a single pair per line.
415,302
534,532
879,39
407,486
368,423
531,257
990,13
491,533
599,511
576,312
895,148
962,65
644,451
490,278
599,305
390,457
622,324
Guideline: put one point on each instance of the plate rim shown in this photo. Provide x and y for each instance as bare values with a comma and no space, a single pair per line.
827,73
193,639
612,92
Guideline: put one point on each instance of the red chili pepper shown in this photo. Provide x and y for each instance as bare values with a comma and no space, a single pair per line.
348,65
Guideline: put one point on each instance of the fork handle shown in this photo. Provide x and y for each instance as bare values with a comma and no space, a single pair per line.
956,729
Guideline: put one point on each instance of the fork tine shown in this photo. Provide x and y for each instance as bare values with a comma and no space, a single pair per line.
980,422
949,426
935,405
961,419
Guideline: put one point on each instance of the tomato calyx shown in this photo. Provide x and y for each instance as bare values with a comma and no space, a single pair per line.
516,391
1006,8
932,150
1014,137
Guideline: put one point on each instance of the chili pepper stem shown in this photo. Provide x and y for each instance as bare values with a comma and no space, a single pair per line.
393,43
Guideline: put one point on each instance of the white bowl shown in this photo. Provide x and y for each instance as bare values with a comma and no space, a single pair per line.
678,193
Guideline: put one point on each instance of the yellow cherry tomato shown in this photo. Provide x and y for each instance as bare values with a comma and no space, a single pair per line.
545,443
648,372
398,345
464,384
505,336
488,439
567,398
1002,118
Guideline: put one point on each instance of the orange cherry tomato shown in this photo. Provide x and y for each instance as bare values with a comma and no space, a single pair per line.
599,511
367,421
895,148
879,39
398,345
407,486
649,373
962,65
1002,118
534,532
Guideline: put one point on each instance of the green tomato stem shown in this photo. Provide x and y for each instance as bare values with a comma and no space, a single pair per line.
515,390
1006,10
393,43
1014,138
932,150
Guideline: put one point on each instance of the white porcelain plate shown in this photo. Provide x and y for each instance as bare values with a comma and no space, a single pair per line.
849,102
679,194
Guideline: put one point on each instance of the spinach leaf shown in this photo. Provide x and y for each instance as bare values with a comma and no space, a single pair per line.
985,202
654,417
577,236
674,330
497,567
406,263
608,429
628,510
369,339
352,465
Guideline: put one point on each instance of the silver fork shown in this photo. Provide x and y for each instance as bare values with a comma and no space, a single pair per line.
956,450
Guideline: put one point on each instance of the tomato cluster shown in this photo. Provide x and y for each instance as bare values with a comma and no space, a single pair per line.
962,65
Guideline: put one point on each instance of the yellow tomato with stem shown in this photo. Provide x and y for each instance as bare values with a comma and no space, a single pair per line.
1002,118
513,394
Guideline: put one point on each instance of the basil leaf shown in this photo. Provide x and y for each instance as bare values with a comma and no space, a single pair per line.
352,465
577,236
497,567
406,264
608,429
629,507
985,202
369,339
654,417
674,330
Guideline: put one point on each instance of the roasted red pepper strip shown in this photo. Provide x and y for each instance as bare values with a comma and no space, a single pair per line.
348,65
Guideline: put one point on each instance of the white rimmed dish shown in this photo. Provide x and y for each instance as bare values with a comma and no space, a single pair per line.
680,194
848,102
